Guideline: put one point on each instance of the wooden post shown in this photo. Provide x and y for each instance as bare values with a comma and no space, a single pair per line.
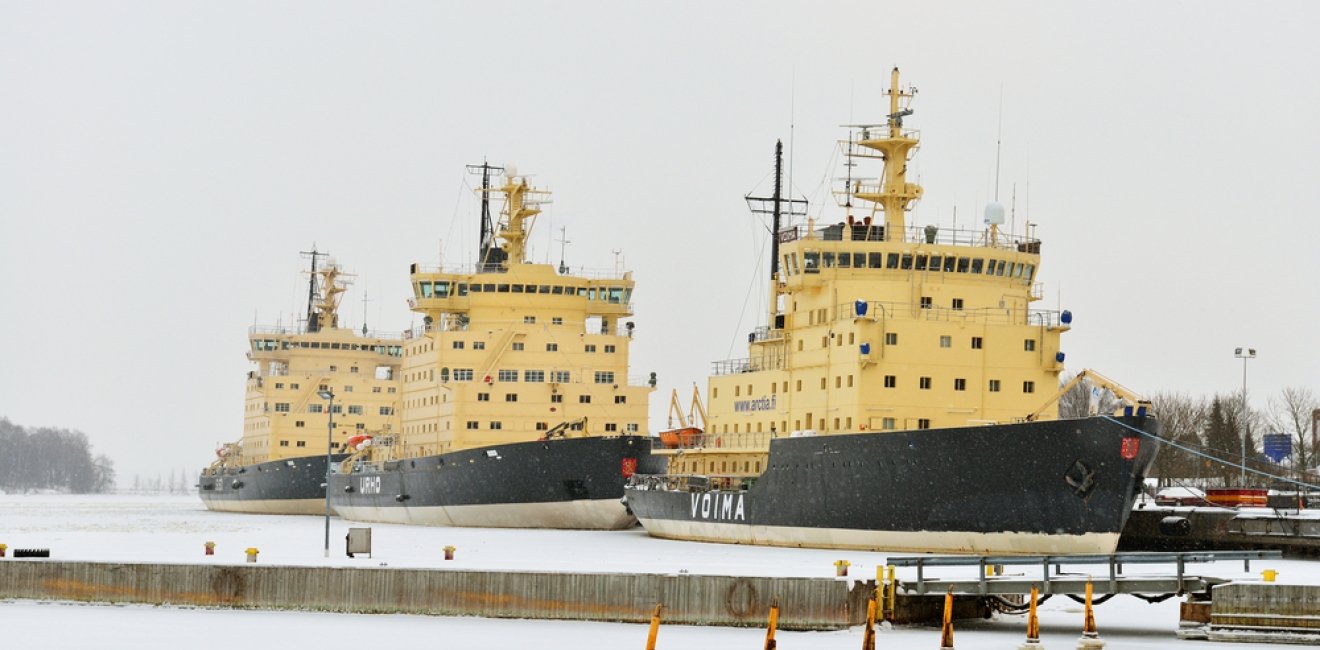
655,627
770,631
946,631
868,635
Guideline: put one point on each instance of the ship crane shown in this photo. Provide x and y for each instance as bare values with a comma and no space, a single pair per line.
687,432
1129,398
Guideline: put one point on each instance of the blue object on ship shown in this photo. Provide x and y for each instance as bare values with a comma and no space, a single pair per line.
1059,356
1065,317
860,307
1278,446
866,348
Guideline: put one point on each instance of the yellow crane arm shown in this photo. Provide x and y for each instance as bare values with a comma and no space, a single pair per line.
1130,398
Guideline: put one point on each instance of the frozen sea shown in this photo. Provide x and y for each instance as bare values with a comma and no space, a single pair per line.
175,528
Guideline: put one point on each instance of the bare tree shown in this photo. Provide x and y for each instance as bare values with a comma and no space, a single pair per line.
1182,419
1291,413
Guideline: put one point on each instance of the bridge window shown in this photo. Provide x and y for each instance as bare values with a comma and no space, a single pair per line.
977,264
907,262
424,289
874,260
935,262
949,263
827,260
891,261
845,260
962,264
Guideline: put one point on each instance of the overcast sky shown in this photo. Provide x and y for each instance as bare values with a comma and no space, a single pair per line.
161,165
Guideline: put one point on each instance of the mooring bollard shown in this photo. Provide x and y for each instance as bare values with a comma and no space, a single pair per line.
841,567
210,548
252,555
1268,575
3,547
449,552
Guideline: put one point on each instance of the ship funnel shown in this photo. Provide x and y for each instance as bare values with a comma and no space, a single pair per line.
994,214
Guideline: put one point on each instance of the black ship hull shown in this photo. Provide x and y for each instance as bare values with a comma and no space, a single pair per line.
1055,487
293,486
558,483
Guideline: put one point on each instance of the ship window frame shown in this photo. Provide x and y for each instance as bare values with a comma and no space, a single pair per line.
515,288
935,262
993,386
959,383
534,376
511,397
905,262
999,268
811,262
827,260
949,263
424,289
1028,345
845,260
462,289
891,381
978,343
891,261
473,425
1028,386
956,304
946,341
924,383
963,264
978,266
557,290
920,263
604,377
584,399
875,260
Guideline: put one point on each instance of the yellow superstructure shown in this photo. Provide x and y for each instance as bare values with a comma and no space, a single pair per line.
877,326
510,349
283,415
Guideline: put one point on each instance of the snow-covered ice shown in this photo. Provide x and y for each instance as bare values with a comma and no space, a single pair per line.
174,529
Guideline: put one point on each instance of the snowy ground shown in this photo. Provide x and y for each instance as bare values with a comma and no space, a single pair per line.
174,529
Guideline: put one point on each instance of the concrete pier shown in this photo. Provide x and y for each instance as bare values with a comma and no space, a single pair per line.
806,603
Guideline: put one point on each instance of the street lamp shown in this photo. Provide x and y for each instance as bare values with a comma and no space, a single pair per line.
1244,354
327,394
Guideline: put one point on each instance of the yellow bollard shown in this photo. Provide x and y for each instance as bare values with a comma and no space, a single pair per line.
892,600
1033,625
1090,636
841,567
946,630
655,628
449,552
868,635
1268,574
880,592
210,548
252,555
3,548
770,630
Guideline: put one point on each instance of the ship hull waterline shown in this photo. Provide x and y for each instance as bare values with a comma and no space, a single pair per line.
291,486
571,483
1056,487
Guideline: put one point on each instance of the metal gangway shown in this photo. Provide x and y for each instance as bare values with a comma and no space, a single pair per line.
991,581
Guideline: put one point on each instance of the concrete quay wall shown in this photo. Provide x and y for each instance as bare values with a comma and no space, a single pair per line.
805,603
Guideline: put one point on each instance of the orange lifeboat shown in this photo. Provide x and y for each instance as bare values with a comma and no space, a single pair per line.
358,442
676,438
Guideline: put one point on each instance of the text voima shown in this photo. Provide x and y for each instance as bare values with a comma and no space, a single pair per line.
718,506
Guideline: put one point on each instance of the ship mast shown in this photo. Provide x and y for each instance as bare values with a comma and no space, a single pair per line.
487,259
313,296
774,206
521,205
892,194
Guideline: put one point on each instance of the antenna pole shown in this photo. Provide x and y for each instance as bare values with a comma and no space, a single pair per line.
777,212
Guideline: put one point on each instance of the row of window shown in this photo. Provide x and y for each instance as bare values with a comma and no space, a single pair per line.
891,381
813,261
353,409
519,346
270,345
496,425
445,289
348,388
891,338
528,376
